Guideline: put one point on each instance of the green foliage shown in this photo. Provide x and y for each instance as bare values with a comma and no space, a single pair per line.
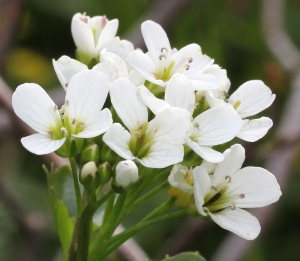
188,256
58,192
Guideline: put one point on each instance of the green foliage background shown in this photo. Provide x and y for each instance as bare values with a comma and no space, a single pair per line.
229,31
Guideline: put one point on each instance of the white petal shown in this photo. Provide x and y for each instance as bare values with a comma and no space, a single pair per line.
177,178
82,35
119,47
107,57
217,125
208,166
136,78
180,93
143,64
108,69
155,39
131,110
33,106
66,68
254,130
234,159
254,96
86,94
117,138
205,153
96,125
202,186
41,144
257,184
155,105
162,155
223,81
199,61
109,31
203,82
213,101
237,221
170,125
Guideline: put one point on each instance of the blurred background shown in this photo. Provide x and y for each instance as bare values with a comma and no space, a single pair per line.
251,39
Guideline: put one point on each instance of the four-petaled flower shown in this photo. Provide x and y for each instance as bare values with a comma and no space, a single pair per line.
82,115
230,188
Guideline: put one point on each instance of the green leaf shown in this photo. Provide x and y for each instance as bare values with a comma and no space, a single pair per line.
64,224
188,256
62,194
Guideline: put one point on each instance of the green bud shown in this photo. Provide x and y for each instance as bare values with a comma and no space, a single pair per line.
105,174
106,154
89,176
90,153
73,148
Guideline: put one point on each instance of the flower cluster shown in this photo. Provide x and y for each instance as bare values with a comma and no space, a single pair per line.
162,108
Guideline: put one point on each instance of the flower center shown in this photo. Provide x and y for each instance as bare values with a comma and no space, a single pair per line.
217,199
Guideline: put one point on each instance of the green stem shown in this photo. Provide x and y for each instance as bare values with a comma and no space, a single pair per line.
149,195
85,226
119,239
108,207
163,207
76,186
109,227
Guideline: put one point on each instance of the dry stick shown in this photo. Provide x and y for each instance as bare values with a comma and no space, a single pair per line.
279,163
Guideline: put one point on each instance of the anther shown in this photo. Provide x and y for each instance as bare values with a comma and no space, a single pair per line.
228,179
80,124
164,49
190,59
162,56
233,206
51,134
242,196
73,121
63,131
186,66
66,103
55,108
196,106
214,189
205,209
67,84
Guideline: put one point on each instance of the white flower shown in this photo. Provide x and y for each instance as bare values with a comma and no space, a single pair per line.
212,127
156,144
126,173
83,118
66,68
114,66
162,62
222,195
249,99
91,34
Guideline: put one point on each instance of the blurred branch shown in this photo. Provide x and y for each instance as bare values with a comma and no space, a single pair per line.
163,12
276,37
279,163
10,12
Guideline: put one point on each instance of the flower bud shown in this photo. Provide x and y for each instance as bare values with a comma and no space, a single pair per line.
104,170
89,176
90,153
126,174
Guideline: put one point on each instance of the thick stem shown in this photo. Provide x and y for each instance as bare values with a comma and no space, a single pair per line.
76,186
85,226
